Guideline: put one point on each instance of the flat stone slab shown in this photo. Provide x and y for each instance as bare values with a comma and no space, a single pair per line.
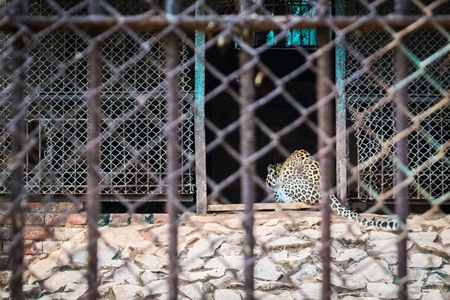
426,261
266,269
226,262
205,247
290,242
445,237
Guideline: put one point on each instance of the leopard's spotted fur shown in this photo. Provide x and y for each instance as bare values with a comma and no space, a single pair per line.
298,180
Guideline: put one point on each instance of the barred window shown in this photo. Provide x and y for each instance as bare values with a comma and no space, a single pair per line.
294,37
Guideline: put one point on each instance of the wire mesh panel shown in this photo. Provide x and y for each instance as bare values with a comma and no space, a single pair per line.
133,155
367,94
128,98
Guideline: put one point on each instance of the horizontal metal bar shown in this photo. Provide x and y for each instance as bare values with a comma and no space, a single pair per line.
364,98
260,206
112,197
190,24
105,96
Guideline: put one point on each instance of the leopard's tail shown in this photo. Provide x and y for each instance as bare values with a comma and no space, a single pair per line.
340,210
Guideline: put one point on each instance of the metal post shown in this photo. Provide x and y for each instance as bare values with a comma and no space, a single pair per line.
341,117
247,148
93,157
18,193
401,198
325,123
172,52
199,119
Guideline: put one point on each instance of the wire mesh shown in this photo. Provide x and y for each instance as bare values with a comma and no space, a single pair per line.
424,93
138,99
133,154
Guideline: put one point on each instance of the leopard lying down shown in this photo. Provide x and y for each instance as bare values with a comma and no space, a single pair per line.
298,180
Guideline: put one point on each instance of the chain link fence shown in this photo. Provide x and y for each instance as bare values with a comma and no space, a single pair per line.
133,154
188,103
425,92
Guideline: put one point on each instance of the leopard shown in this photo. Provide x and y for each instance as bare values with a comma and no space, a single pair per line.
298,179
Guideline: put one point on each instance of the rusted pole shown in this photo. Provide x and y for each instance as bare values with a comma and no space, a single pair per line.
172,52
325,123
401,198
216,24
93,158
247,148
18,193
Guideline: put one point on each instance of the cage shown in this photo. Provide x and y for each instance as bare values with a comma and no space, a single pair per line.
133,108
367,99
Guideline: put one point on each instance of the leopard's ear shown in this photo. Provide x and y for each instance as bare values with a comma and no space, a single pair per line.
270,168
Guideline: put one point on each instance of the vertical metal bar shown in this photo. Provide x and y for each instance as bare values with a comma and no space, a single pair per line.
247,148
199,119
341,117
401,198
172,154
172,52
18,193
93,158
325,123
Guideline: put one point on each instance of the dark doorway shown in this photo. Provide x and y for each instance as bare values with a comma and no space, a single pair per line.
276,114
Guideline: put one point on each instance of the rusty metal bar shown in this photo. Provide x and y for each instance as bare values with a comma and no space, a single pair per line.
401,153
172,53
17,128
93,158
199,118
247,148
325,123
172,154
217,23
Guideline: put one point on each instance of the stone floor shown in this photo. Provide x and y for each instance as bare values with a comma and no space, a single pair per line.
133,260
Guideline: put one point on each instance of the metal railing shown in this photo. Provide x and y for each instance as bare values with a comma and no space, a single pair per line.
142,98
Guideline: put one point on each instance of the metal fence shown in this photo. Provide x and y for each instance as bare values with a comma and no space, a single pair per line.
133,152
138,99
424,93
